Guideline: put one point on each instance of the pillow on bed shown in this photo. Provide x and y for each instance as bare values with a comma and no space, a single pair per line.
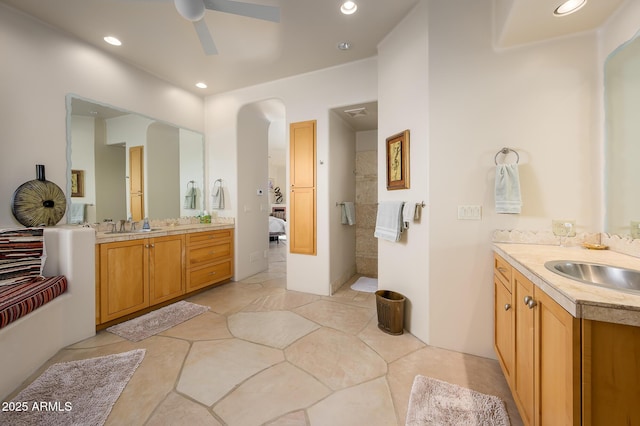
22,255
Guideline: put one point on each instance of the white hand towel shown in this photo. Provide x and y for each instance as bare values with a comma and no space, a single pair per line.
217,195
507,190
348,213
408,214
389,220
77,213
190,199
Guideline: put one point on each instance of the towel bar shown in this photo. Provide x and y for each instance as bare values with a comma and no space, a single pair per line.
505,151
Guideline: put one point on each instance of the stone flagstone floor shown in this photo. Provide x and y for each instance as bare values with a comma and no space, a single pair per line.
263,355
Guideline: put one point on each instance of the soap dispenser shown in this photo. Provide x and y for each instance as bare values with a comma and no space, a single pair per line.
145,225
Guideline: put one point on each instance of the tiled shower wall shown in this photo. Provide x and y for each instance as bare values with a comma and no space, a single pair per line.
366,209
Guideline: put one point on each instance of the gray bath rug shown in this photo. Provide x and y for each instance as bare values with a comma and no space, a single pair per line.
73,393
365,284
434,402
157,321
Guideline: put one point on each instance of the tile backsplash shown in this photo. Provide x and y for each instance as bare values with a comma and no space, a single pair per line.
617,243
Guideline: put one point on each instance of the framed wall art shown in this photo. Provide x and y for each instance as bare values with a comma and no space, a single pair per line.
398,161
77,183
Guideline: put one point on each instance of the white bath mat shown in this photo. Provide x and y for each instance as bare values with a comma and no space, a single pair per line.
366,284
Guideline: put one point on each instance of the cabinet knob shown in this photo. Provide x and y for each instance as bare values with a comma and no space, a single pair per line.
507,306
528,300
212,252
212,273
146,246
502,269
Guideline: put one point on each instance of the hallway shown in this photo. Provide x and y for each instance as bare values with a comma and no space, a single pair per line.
263,355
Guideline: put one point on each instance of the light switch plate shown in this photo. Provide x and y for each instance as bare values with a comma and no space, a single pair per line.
470,212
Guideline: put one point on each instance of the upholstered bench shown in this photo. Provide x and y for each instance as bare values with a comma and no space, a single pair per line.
35,324
18,300
22,286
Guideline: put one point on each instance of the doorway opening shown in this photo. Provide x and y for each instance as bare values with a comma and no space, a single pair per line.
355,126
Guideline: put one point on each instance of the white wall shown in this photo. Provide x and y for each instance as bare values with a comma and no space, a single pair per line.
342,187
252,226
39,68
540,100
403,104
305,97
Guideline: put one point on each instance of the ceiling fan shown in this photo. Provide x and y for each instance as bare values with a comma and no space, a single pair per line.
194,10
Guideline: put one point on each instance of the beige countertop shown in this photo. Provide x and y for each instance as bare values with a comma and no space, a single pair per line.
105,237
580,299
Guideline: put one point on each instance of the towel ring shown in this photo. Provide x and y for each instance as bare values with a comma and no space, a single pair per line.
505,151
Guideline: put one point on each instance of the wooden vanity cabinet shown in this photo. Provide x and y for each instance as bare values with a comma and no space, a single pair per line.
544,376
209,258
134,276
137,274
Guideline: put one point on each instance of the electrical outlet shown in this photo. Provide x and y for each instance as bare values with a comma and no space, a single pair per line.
635,229
563,228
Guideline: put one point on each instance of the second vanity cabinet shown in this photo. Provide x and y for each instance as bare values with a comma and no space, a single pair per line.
538,345
134,275
563,370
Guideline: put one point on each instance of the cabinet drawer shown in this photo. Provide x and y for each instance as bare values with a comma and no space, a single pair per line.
206,237
206,254
198,278
502,270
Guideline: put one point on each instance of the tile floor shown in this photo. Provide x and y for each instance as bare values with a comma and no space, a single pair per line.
263,355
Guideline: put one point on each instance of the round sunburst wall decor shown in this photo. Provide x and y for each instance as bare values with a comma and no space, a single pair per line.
38,202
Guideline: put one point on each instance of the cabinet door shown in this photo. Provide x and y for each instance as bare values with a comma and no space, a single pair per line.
166,272
504,328
558,363
524,348
124,279
303,215
303,188
611,368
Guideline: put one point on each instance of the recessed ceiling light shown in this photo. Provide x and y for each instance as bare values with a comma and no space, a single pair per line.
344,45
568,7
348,8
113,41
201,85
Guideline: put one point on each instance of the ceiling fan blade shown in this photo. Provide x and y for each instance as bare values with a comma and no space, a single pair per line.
204,35
251,10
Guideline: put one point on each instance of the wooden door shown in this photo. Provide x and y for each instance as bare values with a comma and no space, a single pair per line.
302,199
136,182
524,349
166,271
124,278
557,363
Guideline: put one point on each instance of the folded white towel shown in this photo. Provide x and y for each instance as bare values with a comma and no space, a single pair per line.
507,190
348,213
389,220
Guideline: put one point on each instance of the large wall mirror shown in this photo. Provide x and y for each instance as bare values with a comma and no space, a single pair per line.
622,143
125,165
